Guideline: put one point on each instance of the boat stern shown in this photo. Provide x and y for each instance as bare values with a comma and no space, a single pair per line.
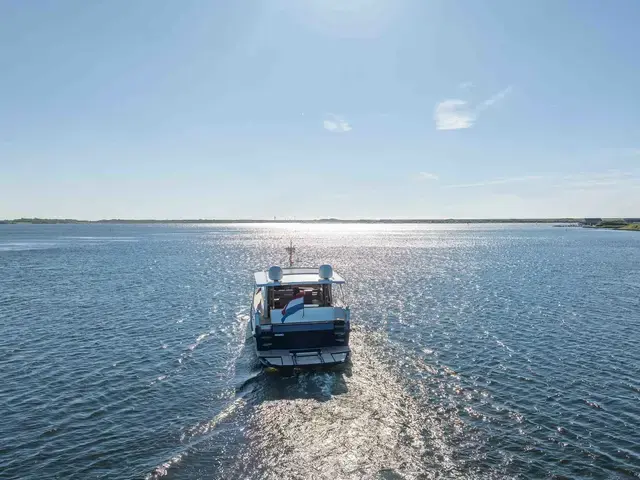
301,358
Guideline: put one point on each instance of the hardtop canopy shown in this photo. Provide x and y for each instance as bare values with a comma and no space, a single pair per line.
297,276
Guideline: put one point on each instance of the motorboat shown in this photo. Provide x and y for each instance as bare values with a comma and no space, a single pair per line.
299,317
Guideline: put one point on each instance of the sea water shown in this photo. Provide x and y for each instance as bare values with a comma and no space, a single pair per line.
482,351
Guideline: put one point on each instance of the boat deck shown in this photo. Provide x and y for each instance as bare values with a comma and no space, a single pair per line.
326,356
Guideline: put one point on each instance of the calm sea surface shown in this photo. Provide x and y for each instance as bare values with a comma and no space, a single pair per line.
483,351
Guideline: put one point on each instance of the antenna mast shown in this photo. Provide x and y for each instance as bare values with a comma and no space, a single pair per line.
290,250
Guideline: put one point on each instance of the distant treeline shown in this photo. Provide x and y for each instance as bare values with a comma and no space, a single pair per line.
44,220
321,220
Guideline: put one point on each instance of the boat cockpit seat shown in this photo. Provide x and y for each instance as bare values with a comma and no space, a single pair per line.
308,297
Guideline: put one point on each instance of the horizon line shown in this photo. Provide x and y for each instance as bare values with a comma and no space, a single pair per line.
317,220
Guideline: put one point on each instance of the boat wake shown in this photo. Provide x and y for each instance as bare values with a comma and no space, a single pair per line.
367,420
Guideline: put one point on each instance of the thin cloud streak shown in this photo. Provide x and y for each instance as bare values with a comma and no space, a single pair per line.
336,124
489,102
565,181
497,181
582,181
428,176
609,174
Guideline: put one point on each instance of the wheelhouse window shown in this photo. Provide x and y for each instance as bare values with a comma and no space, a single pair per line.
318,295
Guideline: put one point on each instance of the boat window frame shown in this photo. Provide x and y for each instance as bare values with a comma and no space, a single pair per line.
323,292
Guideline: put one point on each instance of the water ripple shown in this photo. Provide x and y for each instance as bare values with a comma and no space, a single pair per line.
479,352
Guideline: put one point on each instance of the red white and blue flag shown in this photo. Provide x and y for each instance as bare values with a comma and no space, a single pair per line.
294,305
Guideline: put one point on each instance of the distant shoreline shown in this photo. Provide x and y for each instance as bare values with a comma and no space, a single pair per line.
307,221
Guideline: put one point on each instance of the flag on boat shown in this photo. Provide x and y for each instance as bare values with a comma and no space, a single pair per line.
296,304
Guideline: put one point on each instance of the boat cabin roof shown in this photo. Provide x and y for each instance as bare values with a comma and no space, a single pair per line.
297,276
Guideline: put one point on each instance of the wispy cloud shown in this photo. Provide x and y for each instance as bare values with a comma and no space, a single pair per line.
428,176
497,181
592,180
575,181
465,85
625,152
337,124
495,98
454,114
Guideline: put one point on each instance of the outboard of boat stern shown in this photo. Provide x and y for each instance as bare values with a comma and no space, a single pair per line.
299,318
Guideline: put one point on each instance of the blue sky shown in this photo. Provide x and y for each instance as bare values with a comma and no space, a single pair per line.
319,108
